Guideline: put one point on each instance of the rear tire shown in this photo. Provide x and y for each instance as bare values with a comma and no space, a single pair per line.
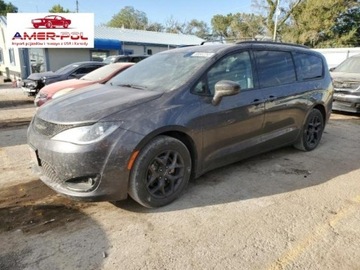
160,173
311,132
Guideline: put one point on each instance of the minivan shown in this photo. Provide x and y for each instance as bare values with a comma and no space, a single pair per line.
178,114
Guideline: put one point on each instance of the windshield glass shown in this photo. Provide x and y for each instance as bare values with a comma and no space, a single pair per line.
350,65
101,73
163,71
66,69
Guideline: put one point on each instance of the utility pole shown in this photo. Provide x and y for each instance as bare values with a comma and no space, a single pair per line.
276,19
77,6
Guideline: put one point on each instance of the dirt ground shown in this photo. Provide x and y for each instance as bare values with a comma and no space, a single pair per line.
282,210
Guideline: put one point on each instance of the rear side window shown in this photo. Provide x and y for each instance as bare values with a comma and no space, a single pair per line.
308,66
275,68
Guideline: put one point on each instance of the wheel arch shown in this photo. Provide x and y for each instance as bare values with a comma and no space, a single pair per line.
180,134
321,108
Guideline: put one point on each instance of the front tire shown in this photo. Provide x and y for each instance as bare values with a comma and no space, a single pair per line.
311,132
160,173
48,25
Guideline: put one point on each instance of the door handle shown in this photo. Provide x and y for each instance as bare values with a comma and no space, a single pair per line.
271,98
256,101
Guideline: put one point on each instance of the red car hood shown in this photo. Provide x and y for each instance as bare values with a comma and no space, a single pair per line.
51,89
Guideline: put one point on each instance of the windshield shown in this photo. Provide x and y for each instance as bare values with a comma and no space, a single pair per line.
163,71
66,69
101,73
350,65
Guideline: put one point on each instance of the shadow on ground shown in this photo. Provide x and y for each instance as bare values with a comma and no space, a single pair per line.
69,238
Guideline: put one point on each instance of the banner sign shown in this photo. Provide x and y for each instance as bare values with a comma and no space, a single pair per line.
55,30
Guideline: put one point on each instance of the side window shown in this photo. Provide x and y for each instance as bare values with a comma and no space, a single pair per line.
308,66
275,68
84,70
235,67
12,57
1,56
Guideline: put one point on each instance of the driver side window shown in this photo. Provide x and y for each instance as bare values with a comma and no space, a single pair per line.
235,67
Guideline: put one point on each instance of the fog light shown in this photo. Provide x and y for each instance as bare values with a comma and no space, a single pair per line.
83,184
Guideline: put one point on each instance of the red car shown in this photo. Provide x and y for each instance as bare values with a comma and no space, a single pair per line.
51,21
100,75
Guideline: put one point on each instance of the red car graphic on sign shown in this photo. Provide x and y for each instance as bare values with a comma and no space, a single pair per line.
51,21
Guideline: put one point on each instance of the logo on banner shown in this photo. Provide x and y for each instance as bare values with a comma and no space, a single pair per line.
50,31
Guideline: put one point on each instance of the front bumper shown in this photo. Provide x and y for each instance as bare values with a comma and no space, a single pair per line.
346,103
27,90
92,172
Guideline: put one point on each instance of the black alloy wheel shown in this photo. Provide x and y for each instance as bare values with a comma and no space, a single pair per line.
160,173
311,132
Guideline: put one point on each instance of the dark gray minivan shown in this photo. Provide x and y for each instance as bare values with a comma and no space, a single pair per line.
177,115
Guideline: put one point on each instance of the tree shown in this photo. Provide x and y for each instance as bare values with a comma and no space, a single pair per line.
130,18
221,24
7,8
156,27
239,26
173,26
348,24
269,8
323,23
58,9
197,28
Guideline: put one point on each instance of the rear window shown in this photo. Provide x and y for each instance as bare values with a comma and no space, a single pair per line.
275,68
308,66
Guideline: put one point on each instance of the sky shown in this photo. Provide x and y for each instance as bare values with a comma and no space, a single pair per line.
158,11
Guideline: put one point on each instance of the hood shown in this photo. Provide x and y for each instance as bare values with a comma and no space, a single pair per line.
93,103
38,76
51,89
344,76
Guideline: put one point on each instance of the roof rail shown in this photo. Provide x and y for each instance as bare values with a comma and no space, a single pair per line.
271,43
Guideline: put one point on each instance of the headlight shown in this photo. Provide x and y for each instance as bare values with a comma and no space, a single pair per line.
41,95
86,134
43,79
62,92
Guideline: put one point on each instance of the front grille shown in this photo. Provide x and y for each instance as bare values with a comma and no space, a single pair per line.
48,129
346,85
50,173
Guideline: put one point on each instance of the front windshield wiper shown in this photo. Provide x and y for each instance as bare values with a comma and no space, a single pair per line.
133,86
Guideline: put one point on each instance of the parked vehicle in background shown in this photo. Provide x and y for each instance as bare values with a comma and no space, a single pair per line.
100,75
346,78
177,115
36,81
125,58
51,21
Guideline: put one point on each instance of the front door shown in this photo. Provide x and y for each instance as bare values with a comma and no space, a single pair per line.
231,129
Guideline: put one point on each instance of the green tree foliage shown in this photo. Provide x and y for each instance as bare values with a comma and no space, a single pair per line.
237,26
58,9
323,23
197,28
269,9
156,27
130,18
7,8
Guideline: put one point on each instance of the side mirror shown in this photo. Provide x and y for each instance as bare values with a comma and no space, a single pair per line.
332,69
225,88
